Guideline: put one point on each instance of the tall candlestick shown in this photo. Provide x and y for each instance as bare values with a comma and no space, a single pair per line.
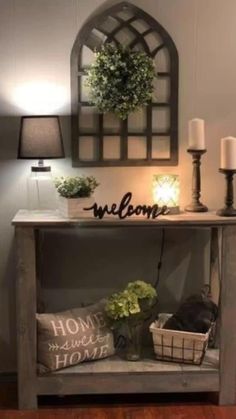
196,205
228,210
196,134
228,153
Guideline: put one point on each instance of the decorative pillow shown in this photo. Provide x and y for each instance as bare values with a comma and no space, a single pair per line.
73,336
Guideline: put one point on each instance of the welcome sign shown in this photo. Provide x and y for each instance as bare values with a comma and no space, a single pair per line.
125,209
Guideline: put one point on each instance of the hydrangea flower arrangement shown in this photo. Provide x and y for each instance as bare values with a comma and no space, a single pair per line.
120,80
131,304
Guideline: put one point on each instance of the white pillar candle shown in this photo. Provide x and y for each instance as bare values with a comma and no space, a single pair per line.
196,134
228,153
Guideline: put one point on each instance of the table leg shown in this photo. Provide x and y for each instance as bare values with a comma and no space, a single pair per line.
215,264
228,318
215,275
26,321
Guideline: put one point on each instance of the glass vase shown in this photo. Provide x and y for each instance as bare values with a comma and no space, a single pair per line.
133,341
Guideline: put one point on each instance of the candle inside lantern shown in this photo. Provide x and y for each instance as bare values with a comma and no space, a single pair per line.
228,153
166,191
196,134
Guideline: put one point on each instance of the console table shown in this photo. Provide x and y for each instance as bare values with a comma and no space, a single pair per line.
113,375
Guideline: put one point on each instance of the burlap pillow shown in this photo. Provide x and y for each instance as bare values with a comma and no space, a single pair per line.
73,336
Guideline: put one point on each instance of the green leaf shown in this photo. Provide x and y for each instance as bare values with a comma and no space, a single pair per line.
134,302
76,187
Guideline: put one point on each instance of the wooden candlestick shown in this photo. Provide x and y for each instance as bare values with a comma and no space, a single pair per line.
228,210
196,205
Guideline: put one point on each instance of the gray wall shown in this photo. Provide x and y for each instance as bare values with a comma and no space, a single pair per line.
36,37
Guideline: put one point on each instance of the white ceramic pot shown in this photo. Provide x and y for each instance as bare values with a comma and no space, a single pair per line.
74,207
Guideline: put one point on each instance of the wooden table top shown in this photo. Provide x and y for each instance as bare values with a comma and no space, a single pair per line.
54,219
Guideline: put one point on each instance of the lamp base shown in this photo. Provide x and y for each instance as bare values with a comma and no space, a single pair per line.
40,169
198,207
41,189
227,212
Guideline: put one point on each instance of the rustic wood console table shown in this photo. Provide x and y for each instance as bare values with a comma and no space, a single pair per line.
114,375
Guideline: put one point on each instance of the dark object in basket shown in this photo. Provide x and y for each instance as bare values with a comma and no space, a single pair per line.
196,314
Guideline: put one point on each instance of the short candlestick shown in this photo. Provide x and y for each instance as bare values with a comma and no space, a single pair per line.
196,205
228,210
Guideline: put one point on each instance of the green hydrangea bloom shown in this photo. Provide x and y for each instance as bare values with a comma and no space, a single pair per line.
137,298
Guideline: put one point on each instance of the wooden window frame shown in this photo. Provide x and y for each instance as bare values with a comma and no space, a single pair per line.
87,38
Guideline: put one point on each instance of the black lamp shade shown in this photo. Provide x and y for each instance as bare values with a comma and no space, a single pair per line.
40,138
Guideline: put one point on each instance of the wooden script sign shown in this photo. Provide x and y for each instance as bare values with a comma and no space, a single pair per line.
125,209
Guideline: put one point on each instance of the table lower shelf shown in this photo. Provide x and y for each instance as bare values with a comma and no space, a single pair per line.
116,376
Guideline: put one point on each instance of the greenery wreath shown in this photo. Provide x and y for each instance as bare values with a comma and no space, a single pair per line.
120,80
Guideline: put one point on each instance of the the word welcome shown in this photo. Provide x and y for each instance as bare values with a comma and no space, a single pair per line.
125,209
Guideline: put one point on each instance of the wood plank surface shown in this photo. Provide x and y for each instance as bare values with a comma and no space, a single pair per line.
53,218
116,365
178,411
26,323
228,318
173,406
114,376
129,383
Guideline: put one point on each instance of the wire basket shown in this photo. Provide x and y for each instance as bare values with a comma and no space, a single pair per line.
178,346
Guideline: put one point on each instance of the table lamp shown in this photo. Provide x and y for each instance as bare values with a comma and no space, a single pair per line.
40,138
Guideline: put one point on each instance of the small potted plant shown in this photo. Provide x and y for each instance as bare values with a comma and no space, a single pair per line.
75,194
129,309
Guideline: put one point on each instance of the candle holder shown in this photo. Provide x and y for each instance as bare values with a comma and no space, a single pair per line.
196,205
228,210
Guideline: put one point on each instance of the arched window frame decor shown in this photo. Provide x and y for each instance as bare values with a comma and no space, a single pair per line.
87,37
